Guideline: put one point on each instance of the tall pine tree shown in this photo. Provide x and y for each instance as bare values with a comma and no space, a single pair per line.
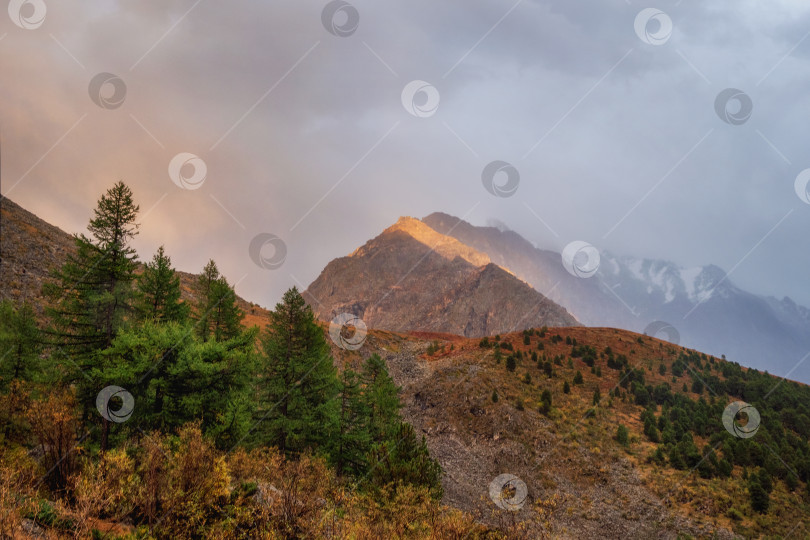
406,459
381,399
202,290
298,410
217,314
353,440
396,453
20,344
158,291
91,293
225,316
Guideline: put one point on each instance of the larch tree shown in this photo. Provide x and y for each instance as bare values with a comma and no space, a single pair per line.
405,458
381,396
217,314
91,293
175,378
396,453
353,440
202,289
225,316
90,296
298,409
158,291
20,344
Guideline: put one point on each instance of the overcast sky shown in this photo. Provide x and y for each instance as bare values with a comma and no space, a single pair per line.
305,134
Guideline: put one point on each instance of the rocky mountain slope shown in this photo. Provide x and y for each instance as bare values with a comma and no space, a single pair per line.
580,481
30,247
412,278
708,311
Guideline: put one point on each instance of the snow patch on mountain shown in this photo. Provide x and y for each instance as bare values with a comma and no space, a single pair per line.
688,278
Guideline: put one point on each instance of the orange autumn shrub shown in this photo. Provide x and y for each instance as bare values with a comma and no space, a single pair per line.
197,485
55,426
18,476
180,486
108,487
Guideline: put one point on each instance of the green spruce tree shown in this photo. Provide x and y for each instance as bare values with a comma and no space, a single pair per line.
158,291
91,293
760,499
298,410
622,437
90,296
405,459
545,402
175,378
225,316
350,452
217,314
203,291
381,399
20,344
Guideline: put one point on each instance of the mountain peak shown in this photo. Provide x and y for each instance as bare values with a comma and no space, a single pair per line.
414,278
442,216
446,246
709,279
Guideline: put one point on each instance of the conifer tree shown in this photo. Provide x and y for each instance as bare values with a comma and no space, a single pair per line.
175,378
91,293
622,435
397,455
159,291
381,399
354,439
225,316
203,291
510,363
405,459
20,344
545,402
217,314
298,409
760,499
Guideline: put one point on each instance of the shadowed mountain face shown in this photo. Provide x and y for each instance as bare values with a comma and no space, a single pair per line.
709,312
412,278
589,300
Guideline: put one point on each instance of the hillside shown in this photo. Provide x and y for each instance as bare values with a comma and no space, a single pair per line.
412,278
588,484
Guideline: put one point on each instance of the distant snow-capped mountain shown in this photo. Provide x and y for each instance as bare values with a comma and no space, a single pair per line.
709,312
